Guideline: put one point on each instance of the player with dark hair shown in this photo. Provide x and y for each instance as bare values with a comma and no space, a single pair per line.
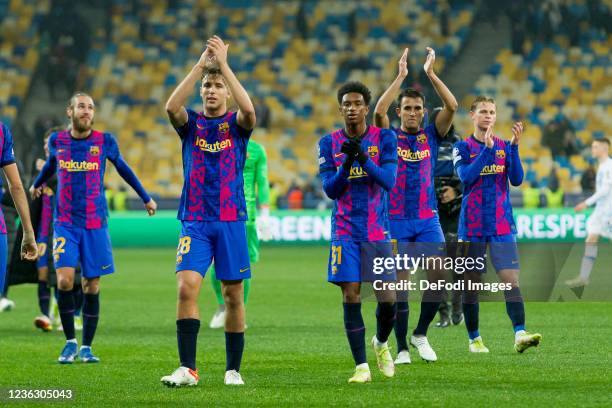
213,209
29,251
357,165
44,322
413,204
80,235
485,164
600,221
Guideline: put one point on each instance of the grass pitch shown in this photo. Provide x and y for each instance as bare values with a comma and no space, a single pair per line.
296,350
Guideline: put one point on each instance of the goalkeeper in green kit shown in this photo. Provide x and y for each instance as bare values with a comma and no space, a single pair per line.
256,185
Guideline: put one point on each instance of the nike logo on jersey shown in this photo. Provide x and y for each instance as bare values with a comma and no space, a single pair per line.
242,270
338,155
106,267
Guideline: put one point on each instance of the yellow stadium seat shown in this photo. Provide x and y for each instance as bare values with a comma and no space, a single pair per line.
578,162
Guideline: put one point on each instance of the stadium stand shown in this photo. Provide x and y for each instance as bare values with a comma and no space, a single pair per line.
561,78
131,75
18,52
551,83
292,59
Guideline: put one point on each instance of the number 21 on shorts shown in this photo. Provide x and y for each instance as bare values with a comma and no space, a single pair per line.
336,257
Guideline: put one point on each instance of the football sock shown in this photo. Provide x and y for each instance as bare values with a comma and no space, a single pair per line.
429,308
65,304
385,318
246,284
515,308
44,294
355,331
234,346
216,285
590,253
401,325
187,336
91,313
77,292
470,313
4,288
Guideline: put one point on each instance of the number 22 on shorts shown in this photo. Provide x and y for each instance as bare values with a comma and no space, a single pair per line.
58,247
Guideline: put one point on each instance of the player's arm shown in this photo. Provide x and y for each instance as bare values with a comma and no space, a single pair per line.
469,172
381,119
263,223
605,189
47,171
444,120
126,172
45,174
261,180
175,106
246,111
385,174
515,168
334,181
29,250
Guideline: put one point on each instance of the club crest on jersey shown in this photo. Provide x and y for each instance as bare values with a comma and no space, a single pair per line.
373,151
422,139
500,154
94,150
223,127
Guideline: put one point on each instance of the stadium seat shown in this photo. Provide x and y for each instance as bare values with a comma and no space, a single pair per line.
269,57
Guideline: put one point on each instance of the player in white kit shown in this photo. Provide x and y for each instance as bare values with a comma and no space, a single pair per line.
600,221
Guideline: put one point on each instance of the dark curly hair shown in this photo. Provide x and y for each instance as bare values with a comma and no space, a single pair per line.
357,87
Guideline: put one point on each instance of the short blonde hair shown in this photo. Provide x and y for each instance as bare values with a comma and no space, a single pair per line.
480,99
